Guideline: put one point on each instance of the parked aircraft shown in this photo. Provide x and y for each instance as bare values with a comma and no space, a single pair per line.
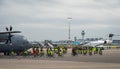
9,42
6,36
98,43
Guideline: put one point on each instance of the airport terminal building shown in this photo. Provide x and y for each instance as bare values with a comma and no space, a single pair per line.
116,42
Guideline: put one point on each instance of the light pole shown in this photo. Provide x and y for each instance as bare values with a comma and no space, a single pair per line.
69,18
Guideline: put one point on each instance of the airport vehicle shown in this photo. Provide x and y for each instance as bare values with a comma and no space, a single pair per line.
49,44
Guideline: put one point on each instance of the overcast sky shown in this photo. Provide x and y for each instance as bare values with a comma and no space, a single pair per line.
47,19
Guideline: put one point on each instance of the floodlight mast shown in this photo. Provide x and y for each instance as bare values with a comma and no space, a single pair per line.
69,31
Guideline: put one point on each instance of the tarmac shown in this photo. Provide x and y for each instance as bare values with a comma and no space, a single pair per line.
109,60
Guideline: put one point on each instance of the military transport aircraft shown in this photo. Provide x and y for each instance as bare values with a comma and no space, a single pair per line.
9,42
8,35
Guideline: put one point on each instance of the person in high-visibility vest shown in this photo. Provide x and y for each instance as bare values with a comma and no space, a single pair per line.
90,51
25,52
56,50
49,52
12,53
42,52
94,50
60,53
84,50
64,51
99,51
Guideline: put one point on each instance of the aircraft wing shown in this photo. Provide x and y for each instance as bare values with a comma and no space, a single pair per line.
10,32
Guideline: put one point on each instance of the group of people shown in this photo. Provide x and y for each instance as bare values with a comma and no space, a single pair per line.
49,52
86,50
61,51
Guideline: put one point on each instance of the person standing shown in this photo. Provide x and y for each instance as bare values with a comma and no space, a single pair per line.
74,51
99,51
12,52
94,50
90,51
42,52
34,52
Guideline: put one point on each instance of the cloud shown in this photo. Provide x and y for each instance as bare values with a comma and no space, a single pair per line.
52,14
43,26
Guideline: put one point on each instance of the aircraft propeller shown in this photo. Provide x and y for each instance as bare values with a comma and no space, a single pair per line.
9,34
10,28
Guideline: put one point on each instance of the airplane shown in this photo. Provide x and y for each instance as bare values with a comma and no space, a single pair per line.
98,43
9,42
8,35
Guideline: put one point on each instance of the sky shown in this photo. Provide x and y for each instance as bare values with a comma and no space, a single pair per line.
48,19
